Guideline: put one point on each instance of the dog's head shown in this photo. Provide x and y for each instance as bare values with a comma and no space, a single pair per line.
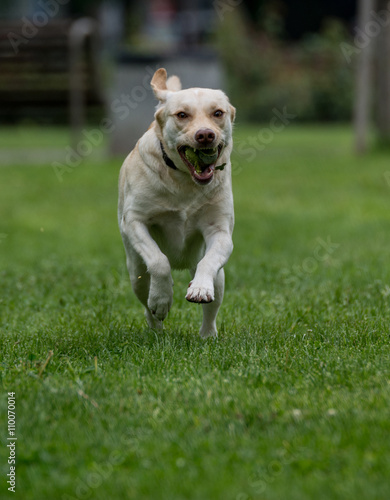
194,125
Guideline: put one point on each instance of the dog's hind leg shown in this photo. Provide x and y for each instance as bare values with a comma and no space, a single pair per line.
210,311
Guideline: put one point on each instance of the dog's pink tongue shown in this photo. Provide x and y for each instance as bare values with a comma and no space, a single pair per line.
206,175
207,171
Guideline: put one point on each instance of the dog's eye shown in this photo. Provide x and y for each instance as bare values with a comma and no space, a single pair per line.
182,115
218,113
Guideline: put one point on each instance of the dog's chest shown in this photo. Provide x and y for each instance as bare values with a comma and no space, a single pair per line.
178,236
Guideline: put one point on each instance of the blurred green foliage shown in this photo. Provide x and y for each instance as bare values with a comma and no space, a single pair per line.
310,77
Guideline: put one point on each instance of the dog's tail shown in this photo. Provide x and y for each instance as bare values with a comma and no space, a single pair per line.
173,83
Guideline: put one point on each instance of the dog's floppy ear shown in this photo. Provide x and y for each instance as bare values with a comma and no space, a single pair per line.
163,87
159,84
232,113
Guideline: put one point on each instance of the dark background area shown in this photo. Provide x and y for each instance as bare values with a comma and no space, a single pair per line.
298,17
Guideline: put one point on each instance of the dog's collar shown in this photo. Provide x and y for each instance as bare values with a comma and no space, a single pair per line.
167,160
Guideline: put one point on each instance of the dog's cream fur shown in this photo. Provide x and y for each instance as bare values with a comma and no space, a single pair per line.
166,218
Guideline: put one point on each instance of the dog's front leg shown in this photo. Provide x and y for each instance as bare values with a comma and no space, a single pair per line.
219,246
160,293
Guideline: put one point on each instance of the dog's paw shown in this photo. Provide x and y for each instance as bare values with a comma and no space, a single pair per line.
160,298
153,323
208,331
200,293
159,307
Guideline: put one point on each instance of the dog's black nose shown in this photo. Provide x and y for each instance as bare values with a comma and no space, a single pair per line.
204,136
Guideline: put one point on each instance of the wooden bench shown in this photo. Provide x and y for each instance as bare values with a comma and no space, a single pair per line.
38,74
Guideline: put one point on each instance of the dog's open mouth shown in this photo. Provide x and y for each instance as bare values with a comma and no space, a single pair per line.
200,162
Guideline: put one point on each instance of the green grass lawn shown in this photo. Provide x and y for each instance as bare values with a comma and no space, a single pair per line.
292,401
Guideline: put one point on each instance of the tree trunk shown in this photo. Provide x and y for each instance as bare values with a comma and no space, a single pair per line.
363,79
383,74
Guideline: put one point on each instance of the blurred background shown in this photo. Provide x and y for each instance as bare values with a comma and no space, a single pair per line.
74,77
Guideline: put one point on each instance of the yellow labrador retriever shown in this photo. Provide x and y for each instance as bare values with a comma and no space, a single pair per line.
175,200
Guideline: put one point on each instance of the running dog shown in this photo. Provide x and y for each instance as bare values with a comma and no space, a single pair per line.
175,206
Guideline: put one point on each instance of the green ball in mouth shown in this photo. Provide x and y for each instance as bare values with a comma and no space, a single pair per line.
201,158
